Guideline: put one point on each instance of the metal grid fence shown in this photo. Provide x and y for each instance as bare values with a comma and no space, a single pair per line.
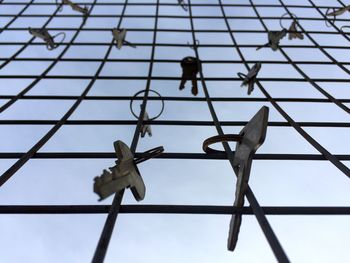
240,42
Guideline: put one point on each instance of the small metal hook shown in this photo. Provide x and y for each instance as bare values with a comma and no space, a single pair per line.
192,46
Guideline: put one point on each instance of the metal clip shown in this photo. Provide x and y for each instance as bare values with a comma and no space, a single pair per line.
250,78
336,13
183,4
190,68
145,127
124,174
274,38
251,137
293,31
45,35
119,37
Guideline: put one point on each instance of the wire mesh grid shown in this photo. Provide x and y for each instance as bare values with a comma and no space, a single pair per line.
62,109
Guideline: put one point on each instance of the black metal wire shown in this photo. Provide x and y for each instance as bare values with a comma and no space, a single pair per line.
128,98
39,78
173,4
23,159
181,155
171,209
258,212
102,246
306,136
116,207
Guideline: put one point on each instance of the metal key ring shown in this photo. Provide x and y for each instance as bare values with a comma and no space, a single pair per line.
326,20
293,16
220,138
241,75
141,91
342,30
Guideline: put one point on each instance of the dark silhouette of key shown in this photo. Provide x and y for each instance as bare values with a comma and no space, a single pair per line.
190,68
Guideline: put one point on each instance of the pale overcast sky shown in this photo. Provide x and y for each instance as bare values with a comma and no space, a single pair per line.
172,238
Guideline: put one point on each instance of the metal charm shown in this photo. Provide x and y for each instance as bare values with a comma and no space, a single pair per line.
119,37
250,78
183,4
251,137
124,174
274,38
45,35
145,128
336,13
293,31
83,10
190,68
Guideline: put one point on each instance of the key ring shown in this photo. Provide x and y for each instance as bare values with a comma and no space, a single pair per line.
141,91
220,138
241,75
293,16
55,44
342,30
333,19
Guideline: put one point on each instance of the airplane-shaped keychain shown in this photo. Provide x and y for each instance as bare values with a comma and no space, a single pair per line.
124,174
45,35
250,79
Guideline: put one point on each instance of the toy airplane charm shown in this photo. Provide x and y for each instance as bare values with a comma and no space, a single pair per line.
251,137
146,128
293,32
83,10
45,35
190,68
274,38
119,37
124,174
183,4
250,78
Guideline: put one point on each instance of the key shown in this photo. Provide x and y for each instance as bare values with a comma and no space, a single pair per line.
190,68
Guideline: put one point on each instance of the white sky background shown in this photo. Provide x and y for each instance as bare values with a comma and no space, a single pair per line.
172,238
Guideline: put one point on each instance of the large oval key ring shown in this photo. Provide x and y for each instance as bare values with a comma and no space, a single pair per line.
142,91
220,138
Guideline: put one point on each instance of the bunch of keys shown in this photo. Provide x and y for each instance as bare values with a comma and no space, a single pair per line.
190,68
